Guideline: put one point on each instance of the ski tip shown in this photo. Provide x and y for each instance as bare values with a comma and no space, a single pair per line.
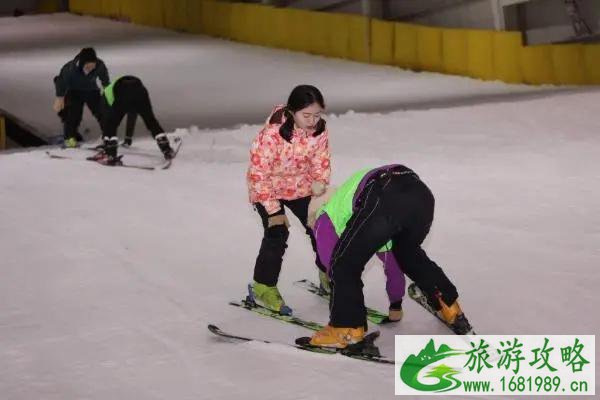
285,310
303,341
213,328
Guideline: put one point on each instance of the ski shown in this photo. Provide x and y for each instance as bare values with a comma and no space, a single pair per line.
58,157
417,295
258,309
164,165
117,163
376,317
364,350
122,165
98,147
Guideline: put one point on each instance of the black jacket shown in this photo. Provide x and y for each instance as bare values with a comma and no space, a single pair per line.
71,77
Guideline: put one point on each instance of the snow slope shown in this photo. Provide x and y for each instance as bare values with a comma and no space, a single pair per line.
110,276
197,80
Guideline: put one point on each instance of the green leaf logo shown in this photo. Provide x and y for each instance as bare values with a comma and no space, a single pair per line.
413,365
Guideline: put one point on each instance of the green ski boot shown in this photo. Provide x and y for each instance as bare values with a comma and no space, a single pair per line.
71,143
268,297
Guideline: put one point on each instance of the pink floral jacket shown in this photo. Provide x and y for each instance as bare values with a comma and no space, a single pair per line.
283,170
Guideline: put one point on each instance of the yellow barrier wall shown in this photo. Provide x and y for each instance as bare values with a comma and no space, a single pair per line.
568,63
242,25
455,55
429,48
77,6
279,28
358,44
238,22
591,59
223,19
82,7
295,29
209,18
48,6
319,33
250,23
253,28
264,22
382,42
129,10
111,8
406,46
194,17
507,56
537,64
340,39
175,14
148,12
480,54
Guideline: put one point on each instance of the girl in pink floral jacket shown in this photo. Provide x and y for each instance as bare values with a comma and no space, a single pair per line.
289,162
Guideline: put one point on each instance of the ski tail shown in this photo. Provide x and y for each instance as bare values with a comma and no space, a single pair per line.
364,350
373,315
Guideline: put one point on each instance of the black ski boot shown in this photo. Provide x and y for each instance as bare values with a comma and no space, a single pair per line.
163,144
127,141
110,150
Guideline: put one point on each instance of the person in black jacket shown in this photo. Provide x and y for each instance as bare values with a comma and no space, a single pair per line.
76,85
128,95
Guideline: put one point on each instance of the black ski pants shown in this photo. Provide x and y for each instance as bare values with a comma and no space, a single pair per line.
274,242
72,113
132,99
394,205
